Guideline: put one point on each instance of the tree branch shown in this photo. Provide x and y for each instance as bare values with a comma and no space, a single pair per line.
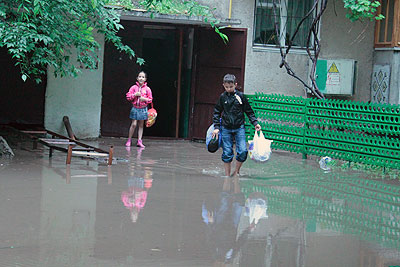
312,45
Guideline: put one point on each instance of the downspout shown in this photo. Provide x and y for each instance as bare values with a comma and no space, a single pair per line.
230,12
230,9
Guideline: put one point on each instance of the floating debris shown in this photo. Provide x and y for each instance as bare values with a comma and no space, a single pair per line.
5,150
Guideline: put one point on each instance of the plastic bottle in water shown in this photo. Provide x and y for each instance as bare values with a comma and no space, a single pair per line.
323,163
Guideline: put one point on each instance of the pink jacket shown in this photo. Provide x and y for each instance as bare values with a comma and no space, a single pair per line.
134,198
144,90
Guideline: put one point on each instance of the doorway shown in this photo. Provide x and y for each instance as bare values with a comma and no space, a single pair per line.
20,102
185,66
161,54
167,67
119,74
213,59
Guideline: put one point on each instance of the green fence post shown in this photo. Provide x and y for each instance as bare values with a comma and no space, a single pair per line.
304,129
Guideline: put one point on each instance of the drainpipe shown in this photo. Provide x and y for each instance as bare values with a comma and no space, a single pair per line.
230,12
230,9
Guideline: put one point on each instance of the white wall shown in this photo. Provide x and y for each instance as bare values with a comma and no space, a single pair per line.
343,39
78,98
340,39
221,7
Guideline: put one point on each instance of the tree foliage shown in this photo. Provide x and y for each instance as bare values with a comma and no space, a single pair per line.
360,9
41,33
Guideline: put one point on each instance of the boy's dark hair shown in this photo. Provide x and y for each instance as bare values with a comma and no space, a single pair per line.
229,78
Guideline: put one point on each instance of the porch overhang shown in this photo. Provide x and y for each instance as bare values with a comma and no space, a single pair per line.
173,18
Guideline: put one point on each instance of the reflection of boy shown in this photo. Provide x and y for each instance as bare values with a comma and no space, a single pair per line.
231,107
222,218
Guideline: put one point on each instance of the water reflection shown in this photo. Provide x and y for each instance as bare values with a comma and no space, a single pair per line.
134,199
87,172
221,214
293,216
67,211
139,183
328,213
256,208
304,222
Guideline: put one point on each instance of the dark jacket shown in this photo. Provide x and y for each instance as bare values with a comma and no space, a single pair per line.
232,111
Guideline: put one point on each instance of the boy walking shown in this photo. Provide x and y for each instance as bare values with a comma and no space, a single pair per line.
231,106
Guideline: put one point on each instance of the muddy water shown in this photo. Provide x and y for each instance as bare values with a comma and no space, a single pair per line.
169,205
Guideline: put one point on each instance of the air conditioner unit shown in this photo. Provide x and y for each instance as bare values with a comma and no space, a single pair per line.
335,76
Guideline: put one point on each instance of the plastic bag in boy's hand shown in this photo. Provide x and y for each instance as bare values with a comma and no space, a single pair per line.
260,148
212,143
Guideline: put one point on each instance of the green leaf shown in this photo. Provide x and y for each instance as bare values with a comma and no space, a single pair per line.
140,61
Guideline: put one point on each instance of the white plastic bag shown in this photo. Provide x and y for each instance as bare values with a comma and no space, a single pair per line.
256,209
260,148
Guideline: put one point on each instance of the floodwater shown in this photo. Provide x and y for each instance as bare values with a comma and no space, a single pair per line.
169,205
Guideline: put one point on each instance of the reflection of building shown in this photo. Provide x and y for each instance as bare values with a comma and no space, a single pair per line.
308,218
67,219
370,257
275,239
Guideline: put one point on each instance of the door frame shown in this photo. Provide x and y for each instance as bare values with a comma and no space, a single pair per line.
195,69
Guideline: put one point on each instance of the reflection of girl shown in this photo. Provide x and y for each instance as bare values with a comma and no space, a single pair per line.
135,198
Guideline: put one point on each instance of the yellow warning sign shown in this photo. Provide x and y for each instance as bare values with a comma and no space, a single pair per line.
333,68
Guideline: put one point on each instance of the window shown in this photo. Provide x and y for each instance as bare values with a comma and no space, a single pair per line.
289,13
386,33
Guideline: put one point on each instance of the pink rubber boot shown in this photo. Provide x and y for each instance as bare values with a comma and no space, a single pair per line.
128,143
140,144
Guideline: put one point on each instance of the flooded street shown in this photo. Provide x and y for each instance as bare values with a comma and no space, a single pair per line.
169,205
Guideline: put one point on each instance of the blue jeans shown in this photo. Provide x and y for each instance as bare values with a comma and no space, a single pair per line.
227,202
228,135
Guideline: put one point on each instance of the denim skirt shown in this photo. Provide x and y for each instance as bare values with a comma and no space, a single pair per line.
139,114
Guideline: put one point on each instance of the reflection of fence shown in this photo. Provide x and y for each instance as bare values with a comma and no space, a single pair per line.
369,209
346,130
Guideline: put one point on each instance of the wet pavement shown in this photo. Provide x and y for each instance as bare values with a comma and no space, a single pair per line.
169,205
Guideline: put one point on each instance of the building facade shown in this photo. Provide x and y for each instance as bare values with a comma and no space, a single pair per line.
186,60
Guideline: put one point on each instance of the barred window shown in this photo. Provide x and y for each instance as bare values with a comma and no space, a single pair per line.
289,13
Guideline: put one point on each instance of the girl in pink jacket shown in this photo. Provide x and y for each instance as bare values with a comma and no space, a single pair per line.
140,95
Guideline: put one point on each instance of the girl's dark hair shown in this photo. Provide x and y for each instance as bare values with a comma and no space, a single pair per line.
145,74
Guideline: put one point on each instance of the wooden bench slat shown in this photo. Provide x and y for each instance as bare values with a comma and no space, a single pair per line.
34,132
83,153
56,141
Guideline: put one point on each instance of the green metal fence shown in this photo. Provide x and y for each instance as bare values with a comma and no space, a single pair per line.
367,133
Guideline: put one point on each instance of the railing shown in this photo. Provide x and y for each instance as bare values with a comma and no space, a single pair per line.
366,133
